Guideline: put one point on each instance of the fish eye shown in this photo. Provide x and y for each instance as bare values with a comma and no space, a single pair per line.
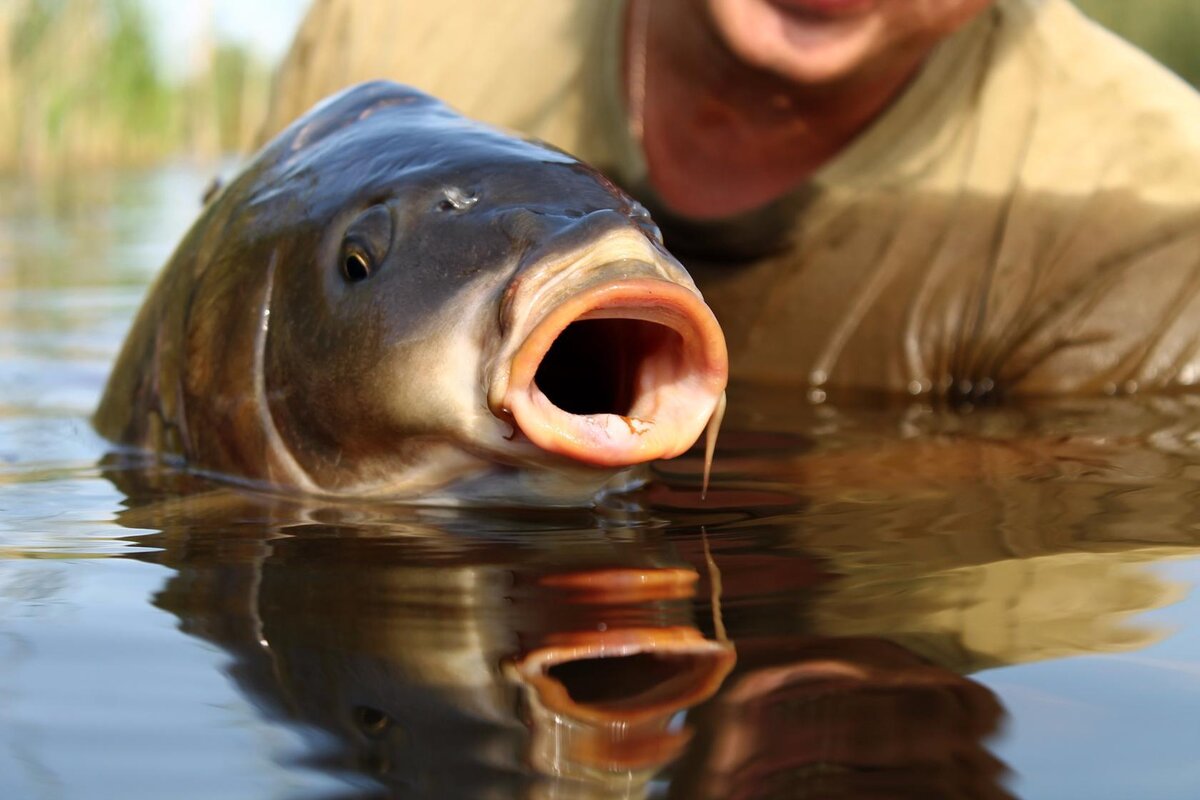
355,266
365,244
372,721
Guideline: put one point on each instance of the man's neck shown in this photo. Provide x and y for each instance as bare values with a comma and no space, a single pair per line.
721,137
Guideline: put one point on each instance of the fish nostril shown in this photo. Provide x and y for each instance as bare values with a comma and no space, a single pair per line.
456,199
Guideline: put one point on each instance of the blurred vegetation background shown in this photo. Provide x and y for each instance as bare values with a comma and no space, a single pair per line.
1167,29
82,87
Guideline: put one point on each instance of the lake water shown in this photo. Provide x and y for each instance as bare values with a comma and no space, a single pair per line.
899,602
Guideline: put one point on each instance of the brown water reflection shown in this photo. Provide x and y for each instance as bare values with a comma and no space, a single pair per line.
449,664
842,717
463,654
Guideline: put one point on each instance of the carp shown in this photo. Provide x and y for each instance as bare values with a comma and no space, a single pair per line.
393,300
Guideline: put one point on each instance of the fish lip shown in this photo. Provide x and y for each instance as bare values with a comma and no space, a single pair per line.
666,419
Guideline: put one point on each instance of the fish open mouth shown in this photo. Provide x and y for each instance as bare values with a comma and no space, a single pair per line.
625,372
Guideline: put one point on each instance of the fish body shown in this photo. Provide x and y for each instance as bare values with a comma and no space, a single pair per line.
393,300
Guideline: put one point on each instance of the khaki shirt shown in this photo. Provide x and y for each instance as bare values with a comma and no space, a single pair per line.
1024,218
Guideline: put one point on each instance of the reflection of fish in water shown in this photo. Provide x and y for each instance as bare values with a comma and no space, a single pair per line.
445,665
392,299
557,661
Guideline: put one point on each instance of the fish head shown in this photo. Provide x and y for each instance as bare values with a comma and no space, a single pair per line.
448,300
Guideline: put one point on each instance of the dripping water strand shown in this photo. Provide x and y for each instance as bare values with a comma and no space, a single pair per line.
710,442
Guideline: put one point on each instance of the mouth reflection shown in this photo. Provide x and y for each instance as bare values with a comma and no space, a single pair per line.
601,686
623,681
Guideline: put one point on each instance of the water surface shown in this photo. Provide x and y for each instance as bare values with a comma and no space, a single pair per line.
874,601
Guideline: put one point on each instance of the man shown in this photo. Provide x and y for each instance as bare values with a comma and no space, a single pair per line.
956,196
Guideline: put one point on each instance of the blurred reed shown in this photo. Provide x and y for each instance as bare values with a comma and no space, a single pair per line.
84,88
